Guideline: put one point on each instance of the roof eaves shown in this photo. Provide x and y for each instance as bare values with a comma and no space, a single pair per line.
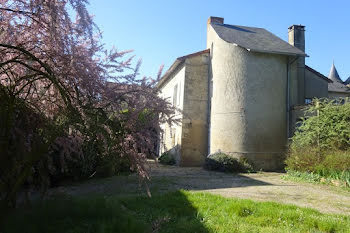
266,51
194,54
298,53
318,74
339,91
277,52
179,61
172,68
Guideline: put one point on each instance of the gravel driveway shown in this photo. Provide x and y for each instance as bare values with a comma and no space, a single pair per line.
262,186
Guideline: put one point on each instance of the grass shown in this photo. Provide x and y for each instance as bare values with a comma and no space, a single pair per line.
303,176
328,166
179,211
315,178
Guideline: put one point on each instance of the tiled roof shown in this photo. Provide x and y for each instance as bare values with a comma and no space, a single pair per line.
333,75
347,82
255,39
338,87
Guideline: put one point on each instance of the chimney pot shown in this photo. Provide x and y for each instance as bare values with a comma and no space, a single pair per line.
217,20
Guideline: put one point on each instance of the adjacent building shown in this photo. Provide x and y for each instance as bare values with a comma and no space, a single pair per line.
337,88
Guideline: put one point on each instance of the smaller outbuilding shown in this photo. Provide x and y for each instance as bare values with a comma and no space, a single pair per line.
337,88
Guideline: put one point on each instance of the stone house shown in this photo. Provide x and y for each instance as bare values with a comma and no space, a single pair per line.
241,95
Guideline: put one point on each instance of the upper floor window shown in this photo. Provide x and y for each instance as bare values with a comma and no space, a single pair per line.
179,95
175,96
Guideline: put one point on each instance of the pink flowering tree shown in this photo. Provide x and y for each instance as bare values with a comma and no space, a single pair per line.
60,88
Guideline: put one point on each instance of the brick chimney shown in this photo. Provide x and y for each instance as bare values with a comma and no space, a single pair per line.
217,20
296,37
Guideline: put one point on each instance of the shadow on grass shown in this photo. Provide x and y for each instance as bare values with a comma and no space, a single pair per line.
170,212
178,211
165,184
163,179
174,178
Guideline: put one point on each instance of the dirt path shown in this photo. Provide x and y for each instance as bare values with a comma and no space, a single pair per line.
259,186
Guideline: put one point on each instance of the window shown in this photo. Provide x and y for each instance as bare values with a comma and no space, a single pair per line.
178,102
308,101
173,136
175,95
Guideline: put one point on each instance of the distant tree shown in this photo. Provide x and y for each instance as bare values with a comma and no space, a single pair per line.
56,70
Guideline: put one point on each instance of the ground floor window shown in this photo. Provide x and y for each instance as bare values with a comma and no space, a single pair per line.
308,101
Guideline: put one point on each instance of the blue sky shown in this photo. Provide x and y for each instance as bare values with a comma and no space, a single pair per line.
161,31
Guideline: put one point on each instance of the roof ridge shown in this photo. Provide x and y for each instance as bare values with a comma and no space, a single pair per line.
255,39
194,54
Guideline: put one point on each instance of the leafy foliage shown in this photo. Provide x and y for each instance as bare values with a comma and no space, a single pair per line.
68,104
167,158
322,143
226,163
327,127
329,164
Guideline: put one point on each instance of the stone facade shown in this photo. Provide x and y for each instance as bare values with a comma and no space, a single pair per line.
316,86
173,91
187,141
239,99
248,105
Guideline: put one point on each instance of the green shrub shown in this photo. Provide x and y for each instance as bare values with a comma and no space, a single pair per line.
113,165
321,144
327,127
303,160
226,163
167,159
91,162
329,164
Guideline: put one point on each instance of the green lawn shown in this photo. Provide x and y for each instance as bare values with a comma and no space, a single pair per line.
179,211
309,177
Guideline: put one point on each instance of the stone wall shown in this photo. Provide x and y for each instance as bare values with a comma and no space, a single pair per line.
187,141
315,87
297,113
170,138
248,105
195,112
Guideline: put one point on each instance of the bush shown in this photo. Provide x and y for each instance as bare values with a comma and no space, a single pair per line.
303,160
326,128
322,143
167,159
113,165
25,137
226,163
329,164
